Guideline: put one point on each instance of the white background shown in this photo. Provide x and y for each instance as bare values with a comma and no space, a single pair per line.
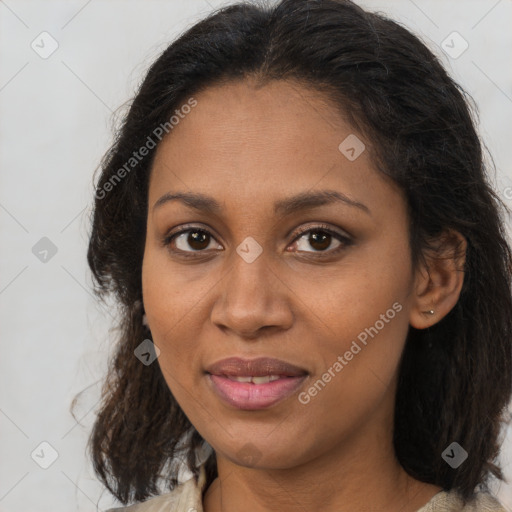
56,119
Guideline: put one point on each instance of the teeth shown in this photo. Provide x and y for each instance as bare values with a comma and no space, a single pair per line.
255,380
241,379
263,380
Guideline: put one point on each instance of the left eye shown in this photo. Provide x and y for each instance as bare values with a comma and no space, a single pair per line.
320,239
199,239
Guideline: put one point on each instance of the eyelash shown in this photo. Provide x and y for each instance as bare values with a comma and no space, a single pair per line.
345,241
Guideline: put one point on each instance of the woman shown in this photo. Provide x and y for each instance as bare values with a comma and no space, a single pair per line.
313,273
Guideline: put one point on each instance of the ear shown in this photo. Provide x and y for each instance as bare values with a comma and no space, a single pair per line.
438,280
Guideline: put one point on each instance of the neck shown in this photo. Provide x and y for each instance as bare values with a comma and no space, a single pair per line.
362,471
290,490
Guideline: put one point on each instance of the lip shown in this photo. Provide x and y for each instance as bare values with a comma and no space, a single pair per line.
250,396
260,367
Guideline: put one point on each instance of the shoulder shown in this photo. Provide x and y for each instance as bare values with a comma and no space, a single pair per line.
449,501
186,497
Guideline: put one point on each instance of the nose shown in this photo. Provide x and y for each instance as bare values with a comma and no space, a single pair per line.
252,299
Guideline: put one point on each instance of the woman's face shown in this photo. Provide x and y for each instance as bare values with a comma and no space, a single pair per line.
251,285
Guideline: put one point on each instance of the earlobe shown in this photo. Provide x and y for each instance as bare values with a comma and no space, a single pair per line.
439,281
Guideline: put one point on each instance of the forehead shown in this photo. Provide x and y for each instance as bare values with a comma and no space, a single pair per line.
275,140
242,111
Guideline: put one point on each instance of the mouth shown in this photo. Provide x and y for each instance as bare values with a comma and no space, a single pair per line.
254,384
256,380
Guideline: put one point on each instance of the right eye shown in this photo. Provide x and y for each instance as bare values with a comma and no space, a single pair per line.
198,239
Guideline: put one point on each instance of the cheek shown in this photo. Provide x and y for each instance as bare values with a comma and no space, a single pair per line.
361,313
170,294
174,302
351,296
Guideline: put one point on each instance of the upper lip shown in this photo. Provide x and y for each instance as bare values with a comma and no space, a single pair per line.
260,367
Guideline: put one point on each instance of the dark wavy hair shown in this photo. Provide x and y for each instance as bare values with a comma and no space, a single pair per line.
454,380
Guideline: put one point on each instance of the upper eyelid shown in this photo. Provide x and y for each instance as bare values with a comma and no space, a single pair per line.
319,227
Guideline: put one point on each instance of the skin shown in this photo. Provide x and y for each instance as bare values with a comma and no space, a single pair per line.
248,147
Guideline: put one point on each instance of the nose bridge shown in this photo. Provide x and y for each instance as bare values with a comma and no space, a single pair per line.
250,297
250,271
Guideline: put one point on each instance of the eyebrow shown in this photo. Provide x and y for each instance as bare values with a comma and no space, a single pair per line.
283,207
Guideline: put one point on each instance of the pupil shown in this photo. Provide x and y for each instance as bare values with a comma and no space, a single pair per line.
198,237
322,239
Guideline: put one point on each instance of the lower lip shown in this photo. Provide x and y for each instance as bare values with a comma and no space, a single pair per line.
249,396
